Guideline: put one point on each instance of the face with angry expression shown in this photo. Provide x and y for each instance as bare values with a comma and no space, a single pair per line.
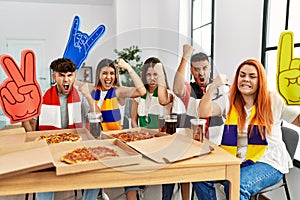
247,82
201,72
64,81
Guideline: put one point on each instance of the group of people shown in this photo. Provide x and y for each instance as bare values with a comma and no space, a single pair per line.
242,119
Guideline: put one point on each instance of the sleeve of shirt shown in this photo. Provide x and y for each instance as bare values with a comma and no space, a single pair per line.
288,113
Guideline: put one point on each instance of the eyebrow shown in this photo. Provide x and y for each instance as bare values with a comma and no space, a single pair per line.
200,66
249,73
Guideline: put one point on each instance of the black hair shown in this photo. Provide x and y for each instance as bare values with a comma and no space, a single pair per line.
63,65
199,57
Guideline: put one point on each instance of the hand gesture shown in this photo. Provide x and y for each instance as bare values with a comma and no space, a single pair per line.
288,70
80,43
20,93
218,82
158,67
187,51
83,88
124,65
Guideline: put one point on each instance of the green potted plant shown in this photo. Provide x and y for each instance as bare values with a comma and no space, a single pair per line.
131,56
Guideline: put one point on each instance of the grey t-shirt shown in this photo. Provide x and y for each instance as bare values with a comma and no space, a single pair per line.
63,99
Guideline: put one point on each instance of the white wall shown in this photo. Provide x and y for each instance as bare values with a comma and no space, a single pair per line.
153,26
51,23
238,32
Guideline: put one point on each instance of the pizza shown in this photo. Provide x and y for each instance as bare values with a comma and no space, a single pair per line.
87,154
131,136
59,137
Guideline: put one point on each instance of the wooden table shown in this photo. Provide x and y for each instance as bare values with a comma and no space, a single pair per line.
218,165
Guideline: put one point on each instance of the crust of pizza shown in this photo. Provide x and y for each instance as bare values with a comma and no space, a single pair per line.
60,137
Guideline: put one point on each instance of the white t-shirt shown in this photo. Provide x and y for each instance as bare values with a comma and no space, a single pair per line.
276,154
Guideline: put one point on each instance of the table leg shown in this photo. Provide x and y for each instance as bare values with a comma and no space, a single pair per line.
233,176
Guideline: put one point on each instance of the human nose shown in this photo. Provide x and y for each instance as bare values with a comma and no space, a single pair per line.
108,76
153,76
247,78
200,71
65,78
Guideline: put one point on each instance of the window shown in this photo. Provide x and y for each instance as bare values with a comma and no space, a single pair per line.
203,26
278,16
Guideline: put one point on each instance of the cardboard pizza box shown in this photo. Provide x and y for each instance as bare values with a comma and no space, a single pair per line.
127,156
83,132
154,132
23,158
12,136
171,148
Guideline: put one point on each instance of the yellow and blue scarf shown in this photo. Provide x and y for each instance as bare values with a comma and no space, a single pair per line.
111,115
256,145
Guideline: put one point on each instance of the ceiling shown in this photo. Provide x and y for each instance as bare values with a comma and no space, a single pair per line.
87,2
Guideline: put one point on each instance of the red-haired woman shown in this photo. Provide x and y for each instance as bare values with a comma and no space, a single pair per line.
252,129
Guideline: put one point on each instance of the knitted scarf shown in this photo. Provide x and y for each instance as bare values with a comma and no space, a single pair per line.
256,145
111,115
149,110
50,118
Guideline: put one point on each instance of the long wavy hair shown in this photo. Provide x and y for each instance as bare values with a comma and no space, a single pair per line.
104,63
262,101
151,62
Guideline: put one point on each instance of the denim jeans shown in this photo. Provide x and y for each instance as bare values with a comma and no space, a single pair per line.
167,191
90,194
253,178
130,188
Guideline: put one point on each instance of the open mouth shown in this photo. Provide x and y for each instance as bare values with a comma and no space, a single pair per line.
152,82
107,83
246,86
201,79
66,86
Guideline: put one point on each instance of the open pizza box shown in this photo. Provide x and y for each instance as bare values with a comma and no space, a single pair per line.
23,158
127,156
151,132
83,132
12,136
171,148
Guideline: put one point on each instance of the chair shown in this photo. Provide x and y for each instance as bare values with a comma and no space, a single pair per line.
290,137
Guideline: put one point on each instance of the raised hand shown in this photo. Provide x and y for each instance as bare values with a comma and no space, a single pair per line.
288,70
158,67
124,65
20,93
83,88
80,43
187,51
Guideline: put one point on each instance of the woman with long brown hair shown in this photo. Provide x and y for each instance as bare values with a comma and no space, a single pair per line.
252,130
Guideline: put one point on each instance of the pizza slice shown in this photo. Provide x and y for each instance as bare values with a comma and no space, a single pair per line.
87,154
60,137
